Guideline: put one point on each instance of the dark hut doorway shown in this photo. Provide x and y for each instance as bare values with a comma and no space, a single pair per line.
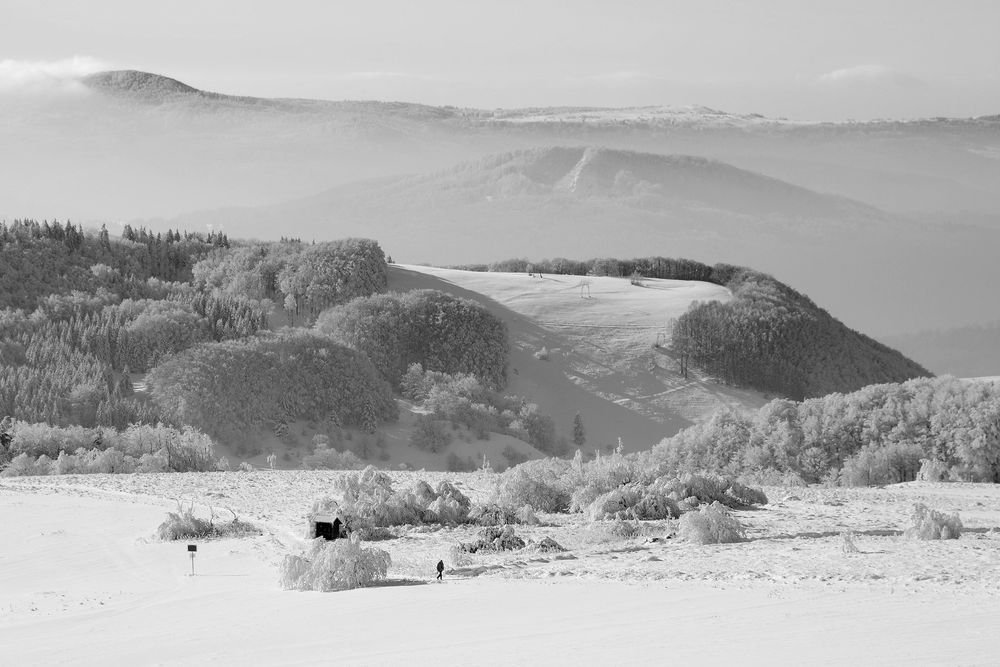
327,530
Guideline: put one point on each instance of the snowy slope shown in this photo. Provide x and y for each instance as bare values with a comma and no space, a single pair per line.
83,583
599,335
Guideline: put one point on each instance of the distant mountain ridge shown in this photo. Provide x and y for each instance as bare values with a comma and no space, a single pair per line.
144,84
136,82
139,147
572,191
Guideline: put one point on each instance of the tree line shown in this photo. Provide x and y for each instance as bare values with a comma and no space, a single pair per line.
301,278
880,434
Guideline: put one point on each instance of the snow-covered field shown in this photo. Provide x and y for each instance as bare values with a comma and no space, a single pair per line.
83,581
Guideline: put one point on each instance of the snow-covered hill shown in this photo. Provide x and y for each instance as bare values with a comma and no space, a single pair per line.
587,345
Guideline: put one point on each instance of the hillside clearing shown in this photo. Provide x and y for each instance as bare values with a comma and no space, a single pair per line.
598,334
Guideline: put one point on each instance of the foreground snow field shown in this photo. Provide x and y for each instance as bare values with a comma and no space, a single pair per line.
83,581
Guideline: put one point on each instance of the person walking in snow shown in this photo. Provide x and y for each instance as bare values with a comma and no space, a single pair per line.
440,569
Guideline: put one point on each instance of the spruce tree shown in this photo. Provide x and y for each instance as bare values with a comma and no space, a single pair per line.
579,435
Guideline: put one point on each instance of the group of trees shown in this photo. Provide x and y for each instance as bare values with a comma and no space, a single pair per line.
231,388
302,278
463,399
69,362
81,313
877,435
650,267
40,449
774,339
441,332
38,259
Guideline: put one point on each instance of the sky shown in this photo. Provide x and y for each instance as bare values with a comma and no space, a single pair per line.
809,59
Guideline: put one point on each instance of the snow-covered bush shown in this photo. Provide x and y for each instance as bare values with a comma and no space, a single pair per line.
712,524
641,502
334,565
22,465
495,538
492,514
158,462
368,500
183,524
549,545
930,524
458,556
543,484
709,488
603,474
526,516
932,470
325,457
745,495
622,526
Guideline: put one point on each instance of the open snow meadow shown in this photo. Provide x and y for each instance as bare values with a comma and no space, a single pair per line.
823,576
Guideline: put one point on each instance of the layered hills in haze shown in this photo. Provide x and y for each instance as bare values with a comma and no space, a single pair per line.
873,268
886,222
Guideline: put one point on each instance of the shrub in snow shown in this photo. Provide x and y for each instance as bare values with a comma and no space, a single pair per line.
548,545
543,484
713,524
932,470
334,565
368,500
709,488
622,526
706,488
847,543
495,538
158,462
526,516
459,557
930,524
640,502
183,524
448,491
603,474
492,514
745,495
325,457
22,465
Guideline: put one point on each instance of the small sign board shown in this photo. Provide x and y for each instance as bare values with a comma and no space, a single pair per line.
192,547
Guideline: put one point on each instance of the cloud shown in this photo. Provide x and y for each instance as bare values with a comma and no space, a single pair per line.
46,75
868,75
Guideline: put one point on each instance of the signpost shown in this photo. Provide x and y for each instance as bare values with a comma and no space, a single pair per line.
192,550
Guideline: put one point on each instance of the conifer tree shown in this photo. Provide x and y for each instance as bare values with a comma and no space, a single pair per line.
579,435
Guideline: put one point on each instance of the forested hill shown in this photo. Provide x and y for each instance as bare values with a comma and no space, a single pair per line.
769,337
775,339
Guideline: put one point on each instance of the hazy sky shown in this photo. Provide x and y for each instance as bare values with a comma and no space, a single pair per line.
822,59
